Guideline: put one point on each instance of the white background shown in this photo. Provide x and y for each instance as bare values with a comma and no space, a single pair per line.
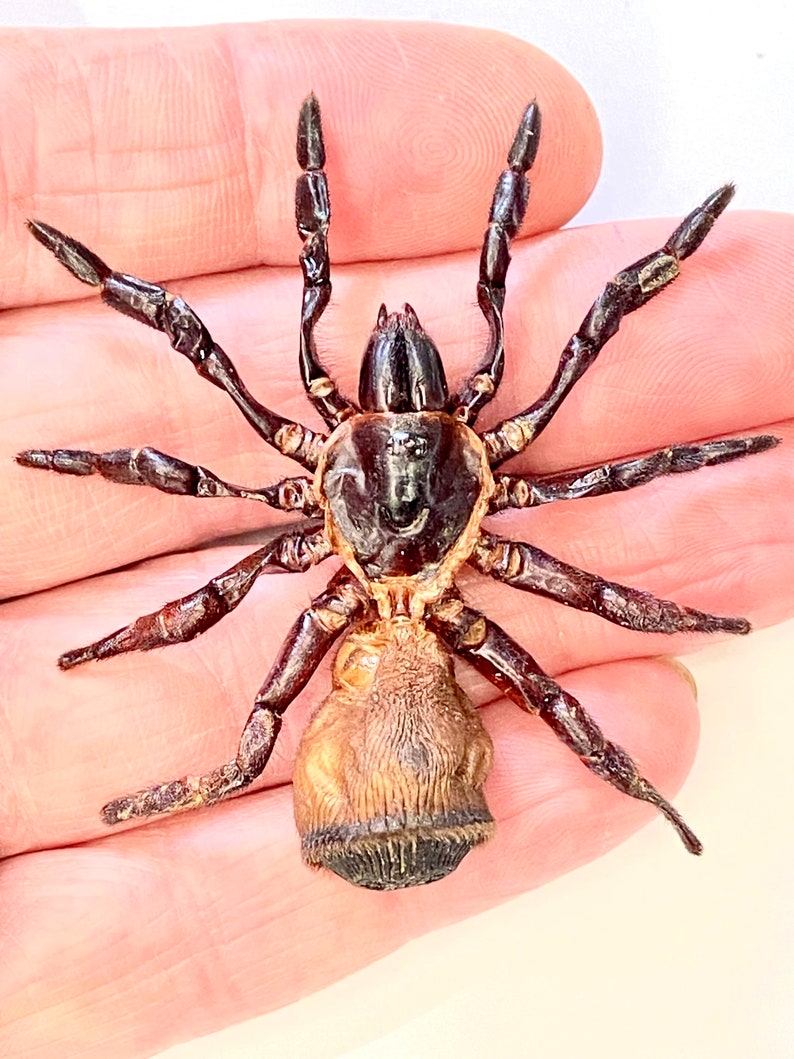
646,952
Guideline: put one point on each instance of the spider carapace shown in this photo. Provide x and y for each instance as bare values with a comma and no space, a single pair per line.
389,775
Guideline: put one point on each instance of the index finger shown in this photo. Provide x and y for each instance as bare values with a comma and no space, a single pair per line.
175,150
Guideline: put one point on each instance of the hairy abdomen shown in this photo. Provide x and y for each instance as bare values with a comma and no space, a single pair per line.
389,775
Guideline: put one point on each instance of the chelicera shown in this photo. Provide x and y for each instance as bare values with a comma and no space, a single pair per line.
389,776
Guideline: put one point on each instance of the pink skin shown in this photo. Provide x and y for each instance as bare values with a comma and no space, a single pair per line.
149,915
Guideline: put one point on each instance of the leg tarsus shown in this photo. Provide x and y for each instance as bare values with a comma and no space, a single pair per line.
311,146
524,148
80,261
192,792
614,765
696,226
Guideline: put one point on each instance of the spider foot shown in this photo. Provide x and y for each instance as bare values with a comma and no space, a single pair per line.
696,226
190,792
81,262
527,140
311,148
685,833
611,763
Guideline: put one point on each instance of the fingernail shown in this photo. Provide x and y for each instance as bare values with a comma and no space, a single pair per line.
679,667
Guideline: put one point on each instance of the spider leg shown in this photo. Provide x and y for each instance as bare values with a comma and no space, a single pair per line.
166,312
312,217
306,644
184,619
524,566
526,490
148,466
516,673
627,291
506,217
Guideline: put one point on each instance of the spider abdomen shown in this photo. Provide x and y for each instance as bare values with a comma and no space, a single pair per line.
389,775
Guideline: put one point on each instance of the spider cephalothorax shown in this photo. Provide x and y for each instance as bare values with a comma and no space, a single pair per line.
389,776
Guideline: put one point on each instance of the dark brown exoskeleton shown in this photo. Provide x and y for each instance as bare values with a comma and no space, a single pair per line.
390,772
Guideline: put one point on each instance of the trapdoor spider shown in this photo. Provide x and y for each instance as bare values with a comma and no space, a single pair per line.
389,777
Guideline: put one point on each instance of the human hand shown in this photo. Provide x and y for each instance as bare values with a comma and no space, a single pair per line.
202,182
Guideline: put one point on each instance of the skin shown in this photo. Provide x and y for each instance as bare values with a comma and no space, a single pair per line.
202,182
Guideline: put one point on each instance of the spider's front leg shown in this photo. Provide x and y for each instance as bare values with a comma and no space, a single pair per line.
525,566
148,466
307,642
188,617
627,291
158,308
516,673
508,208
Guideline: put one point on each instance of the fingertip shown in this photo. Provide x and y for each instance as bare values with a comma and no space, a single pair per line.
686,674
417,130
552,813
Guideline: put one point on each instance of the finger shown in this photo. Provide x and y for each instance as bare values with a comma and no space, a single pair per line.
722,547
204,180
687,366
708,357
720,543
203,897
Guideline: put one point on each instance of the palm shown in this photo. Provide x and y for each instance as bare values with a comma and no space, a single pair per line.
209,893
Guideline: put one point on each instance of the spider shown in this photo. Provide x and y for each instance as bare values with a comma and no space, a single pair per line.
388,784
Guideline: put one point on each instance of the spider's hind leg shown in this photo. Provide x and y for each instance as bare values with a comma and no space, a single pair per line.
308,641
508,208
312,217
516,673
